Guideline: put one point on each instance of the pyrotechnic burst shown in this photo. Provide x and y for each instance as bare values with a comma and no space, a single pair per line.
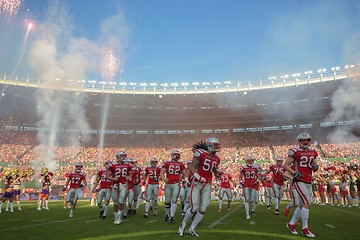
110,65
9,7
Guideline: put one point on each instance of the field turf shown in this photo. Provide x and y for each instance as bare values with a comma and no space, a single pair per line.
325,222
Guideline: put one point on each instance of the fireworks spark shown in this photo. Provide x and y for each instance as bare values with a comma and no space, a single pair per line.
110,65
10,7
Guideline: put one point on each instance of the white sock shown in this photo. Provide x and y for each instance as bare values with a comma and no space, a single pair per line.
254,207
147,206
7,205
46,204
220,203
12,206
290,205
296,216
39,206
197,220
186,206
187,216
18,204
173,209
276,201
304,217
246,205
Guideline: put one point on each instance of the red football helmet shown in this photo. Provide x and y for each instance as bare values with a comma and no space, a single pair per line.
121,156
304,140
175,155
213,144
153,162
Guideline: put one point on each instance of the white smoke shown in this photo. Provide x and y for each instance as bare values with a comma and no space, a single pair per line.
59,58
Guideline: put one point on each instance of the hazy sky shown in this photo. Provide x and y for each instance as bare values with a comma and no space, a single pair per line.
179,40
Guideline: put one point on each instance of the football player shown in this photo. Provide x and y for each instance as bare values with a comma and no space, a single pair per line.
304,160
77,180
104,190
152,175
277,181
225,189
250,178
204,164
119,173
171,172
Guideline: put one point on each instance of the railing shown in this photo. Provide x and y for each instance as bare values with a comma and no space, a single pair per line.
92,86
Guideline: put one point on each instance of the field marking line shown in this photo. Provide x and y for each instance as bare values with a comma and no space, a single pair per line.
222,218
94,220
343,211
39,220
152,221
329,226
14,220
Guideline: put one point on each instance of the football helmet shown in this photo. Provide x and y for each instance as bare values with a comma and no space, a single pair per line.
78,167
189,162
175,155
304,140
108,164
279,160
213,144
121,156
249,161
153,162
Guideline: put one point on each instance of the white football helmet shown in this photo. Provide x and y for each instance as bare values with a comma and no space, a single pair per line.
108,164
279,160
304,140
175,155
78,167
121,156
153,162
213,144
249,161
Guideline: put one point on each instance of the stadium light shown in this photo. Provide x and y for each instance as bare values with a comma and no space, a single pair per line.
284,77
272,81
296,76
348,67
308,74
154,86
321,71
334,70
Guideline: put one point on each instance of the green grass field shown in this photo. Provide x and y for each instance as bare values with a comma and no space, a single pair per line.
326,223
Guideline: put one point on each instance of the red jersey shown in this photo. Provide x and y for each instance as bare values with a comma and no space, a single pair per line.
173,171
104,182
207,162
249,175
278,174
76,178
303,161
121,171
136,170
225,180
152,174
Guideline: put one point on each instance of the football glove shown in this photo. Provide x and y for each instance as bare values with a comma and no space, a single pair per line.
315,167
296,176
64,189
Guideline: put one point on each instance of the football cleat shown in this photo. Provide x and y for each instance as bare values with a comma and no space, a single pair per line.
39,209
134,212
19,209
286,211
155,212
171,220
276,211
268,206
166,218
192,232
253,213
146,215
11,210
308,233
103,217
229,208
71,214
219,210
181,229
292,228
247,217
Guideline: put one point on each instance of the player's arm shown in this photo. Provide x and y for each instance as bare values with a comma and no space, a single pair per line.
111,178
84,182
96,183
162,174
287,165
129,174
66,183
